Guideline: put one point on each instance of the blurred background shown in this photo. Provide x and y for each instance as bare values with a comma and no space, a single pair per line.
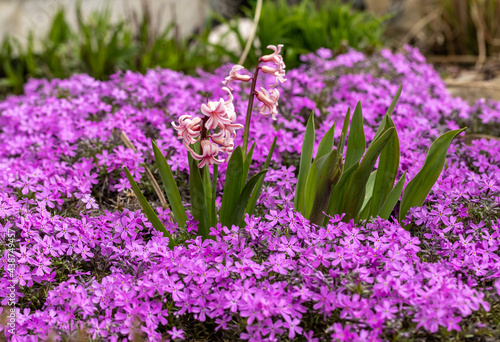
57,38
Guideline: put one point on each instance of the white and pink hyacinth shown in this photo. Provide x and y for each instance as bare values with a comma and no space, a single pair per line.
216,131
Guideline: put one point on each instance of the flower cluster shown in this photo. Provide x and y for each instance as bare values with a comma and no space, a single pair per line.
218,115
221,115
84,268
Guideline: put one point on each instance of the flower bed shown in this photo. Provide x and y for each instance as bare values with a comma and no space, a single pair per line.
87,264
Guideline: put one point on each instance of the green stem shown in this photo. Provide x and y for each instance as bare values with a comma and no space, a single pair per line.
249,111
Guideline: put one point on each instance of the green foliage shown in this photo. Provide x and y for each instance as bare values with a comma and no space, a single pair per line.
306,27
100,47
329,185
418,189
150,213
239,196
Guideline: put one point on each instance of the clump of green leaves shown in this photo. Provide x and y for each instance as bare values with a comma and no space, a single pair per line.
334,186
100,47
306,27
239,195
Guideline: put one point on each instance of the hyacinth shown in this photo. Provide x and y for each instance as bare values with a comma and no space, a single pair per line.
218,115
106,273
221,115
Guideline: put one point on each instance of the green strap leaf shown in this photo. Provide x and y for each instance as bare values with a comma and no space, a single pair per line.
392,199
343,135
246,165
325,147
310,190
244,197
326,143
356,143
232,187
356,190
338,192
198,205
305,164
389,112
365,207
417,190
150,213
387,170
209,200
170,186
328,174
258,188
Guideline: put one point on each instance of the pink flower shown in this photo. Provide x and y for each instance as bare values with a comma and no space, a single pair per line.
226,141
219,113
234,76
279,70
209,153
188,129
269,102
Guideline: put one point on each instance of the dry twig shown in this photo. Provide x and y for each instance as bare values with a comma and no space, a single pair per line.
159,193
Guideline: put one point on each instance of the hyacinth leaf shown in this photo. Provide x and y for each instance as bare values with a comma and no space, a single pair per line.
305,164
209,201
247,161
239,210
328,174
356,189
419,187
392,199
214,184
365,207
338,192
326,143
198,205
389,112
310,191
343,135
170,186
387,170
325,146
232,187
364,213
150,213
356,143
258,188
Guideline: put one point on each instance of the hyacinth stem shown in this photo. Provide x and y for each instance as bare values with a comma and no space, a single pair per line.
249,111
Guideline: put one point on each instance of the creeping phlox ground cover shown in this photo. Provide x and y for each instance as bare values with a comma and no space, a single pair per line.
87,263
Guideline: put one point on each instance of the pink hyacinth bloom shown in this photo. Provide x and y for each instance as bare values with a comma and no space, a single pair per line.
209,153
279,70
188,129
219,113
269,102
235,76
226,141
